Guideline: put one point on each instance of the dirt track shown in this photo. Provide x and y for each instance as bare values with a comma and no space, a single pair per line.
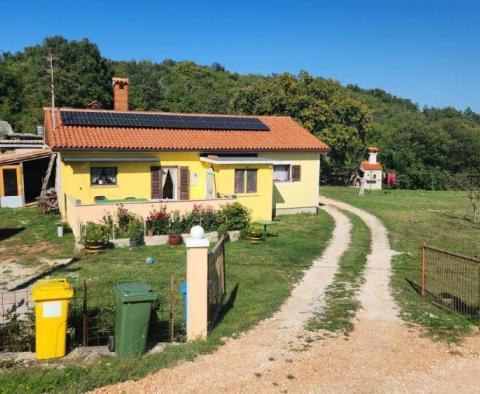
381,355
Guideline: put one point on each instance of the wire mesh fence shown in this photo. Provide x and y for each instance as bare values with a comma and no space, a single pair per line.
91,318
451,281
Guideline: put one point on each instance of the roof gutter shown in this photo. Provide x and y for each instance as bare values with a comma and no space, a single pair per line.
111,159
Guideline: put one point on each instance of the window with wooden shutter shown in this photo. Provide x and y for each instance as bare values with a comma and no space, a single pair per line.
239,181
184,183
156,182
251,181
296,173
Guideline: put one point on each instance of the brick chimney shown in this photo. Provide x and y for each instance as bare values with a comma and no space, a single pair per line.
120,94
372,155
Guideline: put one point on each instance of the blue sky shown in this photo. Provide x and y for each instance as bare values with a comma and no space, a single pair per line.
424,50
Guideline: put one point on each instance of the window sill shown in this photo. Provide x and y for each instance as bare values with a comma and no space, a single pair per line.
247,194
102,186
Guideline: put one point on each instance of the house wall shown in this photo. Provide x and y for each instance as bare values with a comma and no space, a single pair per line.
259,203
374,179
292,197
133,178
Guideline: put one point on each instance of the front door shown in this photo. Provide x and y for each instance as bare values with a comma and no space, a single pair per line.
10,187
169,183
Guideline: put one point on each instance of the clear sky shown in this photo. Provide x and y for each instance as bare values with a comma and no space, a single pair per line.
427,50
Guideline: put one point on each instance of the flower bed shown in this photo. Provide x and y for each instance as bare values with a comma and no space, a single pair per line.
157,240
130,229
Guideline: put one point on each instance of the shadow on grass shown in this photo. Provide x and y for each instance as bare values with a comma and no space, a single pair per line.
228,305
6,233
43,274
414,286
448,302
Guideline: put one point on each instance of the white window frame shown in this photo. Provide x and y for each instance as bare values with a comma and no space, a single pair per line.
289,173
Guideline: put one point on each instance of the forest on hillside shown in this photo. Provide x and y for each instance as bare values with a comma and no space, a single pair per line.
426,147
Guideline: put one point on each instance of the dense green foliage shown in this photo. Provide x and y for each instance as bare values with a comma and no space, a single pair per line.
423,146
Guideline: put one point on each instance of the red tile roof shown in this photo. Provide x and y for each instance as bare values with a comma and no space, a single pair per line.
368,166
284,135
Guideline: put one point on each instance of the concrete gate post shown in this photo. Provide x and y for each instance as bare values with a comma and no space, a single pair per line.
197,284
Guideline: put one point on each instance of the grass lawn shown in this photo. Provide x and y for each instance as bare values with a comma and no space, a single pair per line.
259,278
438,218
25,236
341,303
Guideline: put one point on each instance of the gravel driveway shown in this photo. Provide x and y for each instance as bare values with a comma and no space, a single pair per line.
382,354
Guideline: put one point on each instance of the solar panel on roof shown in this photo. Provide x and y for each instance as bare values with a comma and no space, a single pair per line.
161,121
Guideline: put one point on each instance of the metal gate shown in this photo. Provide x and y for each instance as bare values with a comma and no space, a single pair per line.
216,281
451,281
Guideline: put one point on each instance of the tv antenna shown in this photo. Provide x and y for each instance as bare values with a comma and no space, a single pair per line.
52,86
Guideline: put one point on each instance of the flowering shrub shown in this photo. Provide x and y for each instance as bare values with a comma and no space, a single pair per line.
204,216
178,224
124,218
230,217
159,220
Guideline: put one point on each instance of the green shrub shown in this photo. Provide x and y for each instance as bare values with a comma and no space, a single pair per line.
95,233
177,223
245,232
123,221
234,216
222,231
204,216
135,230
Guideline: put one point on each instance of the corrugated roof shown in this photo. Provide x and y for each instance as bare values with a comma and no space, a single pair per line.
284,135
24,156
26,142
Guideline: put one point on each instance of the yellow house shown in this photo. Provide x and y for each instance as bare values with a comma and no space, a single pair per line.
270,164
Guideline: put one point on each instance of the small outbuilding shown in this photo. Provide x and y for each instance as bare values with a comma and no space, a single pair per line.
24,160
371,171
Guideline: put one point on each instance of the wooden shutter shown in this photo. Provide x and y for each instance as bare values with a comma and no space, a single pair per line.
251,181
184,183
156,183
239,181
296,173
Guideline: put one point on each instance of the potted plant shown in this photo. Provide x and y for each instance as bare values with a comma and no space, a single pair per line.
95,236
175,230
158,222
135,232
255,236
150,232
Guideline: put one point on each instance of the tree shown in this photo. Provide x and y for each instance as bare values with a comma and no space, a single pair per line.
321,105
470,184
81,76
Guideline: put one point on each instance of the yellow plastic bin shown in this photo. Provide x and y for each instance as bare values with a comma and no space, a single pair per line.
51,297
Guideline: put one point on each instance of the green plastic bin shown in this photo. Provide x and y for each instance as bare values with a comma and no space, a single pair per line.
134,301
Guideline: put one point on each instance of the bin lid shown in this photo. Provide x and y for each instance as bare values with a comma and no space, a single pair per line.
52,289
135,291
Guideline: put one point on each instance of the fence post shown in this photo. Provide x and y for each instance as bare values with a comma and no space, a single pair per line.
172,316
85,314
197,284
424,262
